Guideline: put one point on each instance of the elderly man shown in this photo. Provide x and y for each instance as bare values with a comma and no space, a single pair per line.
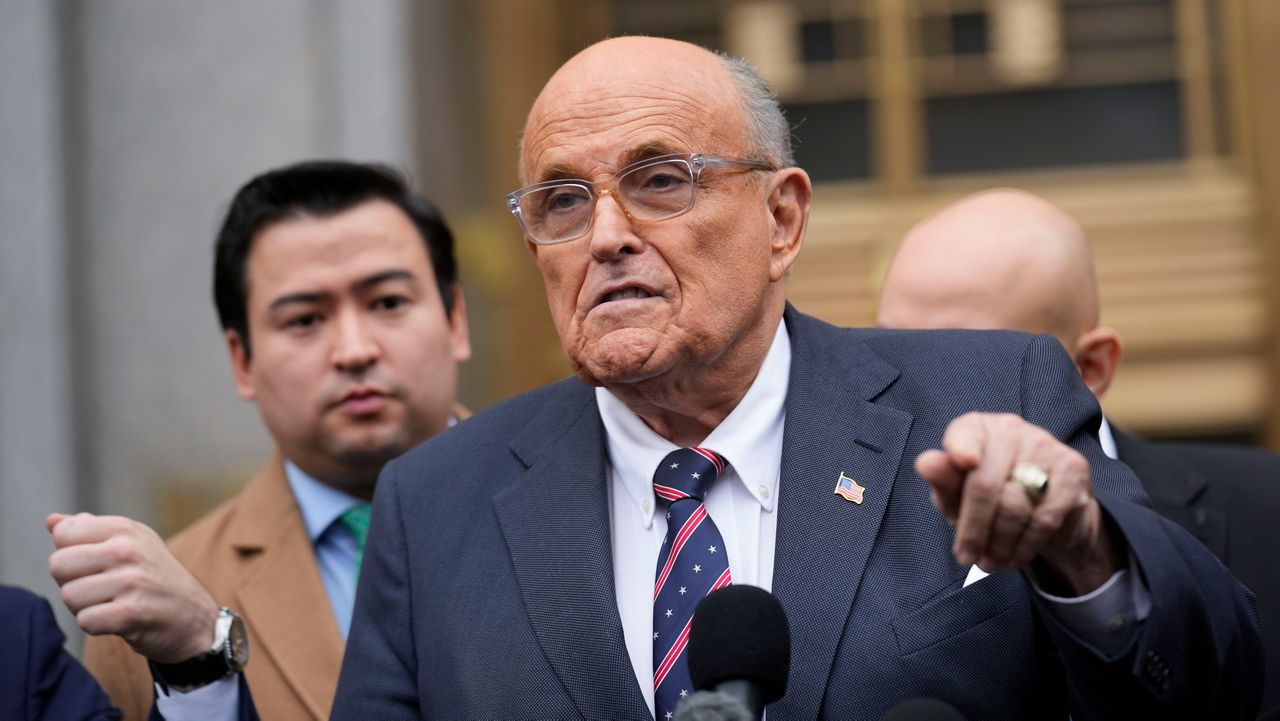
337,291
544,560
1009,259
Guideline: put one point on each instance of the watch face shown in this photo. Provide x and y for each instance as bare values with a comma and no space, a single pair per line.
238,644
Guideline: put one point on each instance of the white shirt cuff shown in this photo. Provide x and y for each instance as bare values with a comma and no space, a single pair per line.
1107,617
217,701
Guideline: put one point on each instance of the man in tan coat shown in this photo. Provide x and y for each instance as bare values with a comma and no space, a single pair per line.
336,289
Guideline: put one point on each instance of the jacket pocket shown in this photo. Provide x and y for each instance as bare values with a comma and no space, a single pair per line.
958,611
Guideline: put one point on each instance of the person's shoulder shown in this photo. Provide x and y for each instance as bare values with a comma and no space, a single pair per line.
28,617
983,355
196,540
497,424
941,343
19,602
916,344
1221,457
190,540
485,438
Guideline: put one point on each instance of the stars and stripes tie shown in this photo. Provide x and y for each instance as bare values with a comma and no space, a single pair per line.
691,564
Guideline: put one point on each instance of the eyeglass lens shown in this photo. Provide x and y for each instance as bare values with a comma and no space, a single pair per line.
650,192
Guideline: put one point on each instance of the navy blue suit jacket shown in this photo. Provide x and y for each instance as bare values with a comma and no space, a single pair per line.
1228,497
487,585
38,678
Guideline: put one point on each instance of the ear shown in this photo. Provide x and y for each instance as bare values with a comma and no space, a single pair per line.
1097,354
789,208
459,335
240,362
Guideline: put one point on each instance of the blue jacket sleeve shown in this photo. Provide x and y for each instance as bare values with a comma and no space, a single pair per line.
1198,655
38,678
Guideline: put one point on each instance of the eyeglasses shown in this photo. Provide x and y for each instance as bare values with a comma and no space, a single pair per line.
651,190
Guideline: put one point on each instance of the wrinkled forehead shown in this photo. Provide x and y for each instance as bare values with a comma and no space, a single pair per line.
600,113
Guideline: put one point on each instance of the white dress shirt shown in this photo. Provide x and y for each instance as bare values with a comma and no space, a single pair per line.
743,504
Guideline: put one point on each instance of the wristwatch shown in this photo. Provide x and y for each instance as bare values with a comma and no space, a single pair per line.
227,657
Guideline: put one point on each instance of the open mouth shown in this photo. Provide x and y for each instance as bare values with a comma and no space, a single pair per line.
628,293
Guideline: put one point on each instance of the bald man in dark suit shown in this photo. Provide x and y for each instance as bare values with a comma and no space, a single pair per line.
1008,259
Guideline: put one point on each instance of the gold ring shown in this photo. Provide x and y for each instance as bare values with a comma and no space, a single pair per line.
1033,479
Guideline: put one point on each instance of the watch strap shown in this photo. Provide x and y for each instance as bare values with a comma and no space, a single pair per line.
193,673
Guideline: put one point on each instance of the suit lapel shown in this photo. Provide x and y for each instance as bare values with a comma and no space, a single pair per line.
823,540
555,521
282,596
1175,488
1168,482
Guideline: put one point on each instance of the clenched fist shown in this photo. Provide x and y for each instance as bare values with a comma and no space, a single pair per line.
118,577
998,525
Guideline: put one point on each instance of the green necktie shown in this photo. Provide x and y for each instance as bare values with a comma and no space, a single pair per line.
356,520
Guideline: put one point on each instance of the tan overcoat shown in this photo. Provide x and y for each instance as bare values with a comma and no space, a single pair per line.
253,554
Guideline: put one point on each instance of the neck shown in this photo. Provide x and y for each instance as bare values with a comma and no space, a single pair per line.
358,482
684,406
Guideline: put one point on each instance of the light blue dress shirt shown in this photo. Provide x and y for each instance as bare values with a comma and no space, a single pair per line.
335,547
336,557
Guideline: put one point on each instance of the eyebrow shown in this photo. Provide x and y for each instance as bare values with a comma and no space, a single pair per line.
296,298
363,284
563,171
644,152
386,276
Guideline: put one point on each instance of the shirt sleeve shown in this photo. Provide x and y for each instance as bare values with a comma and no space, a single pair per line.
218,701
1107,617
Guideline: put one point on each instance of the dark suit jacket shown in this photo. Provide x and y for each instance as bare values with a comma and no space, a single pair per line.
1229,498
487,587
38,678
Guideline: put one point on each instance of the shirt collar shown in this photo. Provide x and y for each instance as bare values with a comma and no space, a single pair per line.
320,505
750,437
1107,439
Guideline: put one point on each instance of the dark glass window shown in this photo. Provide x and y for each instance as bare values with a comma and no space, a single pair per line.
830,139
969,34
1070,126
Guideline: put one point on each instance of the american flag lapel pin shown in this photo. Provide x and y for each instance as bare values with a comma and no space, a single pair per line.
848,489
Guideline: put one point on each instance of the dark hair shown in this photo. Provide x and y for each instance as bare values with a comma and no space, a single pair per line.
320,189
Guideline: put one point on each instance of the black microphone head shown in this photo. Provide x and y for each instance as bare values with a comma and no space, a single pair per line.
923,709
740,632
712,706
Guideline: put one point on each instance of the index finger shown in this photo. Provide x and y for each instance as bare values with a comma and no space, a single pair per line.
965,441
983,487
83,528
52,520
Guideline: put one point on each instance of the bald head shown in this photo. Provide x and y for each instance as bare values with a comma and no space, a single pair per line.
722,92
997,259
1003,259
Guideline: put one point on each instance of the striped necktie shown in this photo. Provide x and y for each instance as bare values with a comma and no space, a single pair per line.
691,564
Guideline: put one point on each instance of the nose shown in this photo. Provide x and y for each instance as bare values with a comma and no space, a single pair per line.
612,234
354,348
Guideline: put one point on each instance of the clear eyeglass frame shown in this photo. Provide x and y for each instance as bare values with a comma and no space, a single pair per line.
693,163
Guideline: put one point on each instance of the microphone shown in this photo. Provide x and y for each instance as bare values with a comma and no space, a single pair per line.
740,648
923,709
713,706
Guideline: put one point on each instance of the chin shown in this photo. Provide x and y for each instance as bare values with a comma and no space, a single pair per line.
371,449
630,364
